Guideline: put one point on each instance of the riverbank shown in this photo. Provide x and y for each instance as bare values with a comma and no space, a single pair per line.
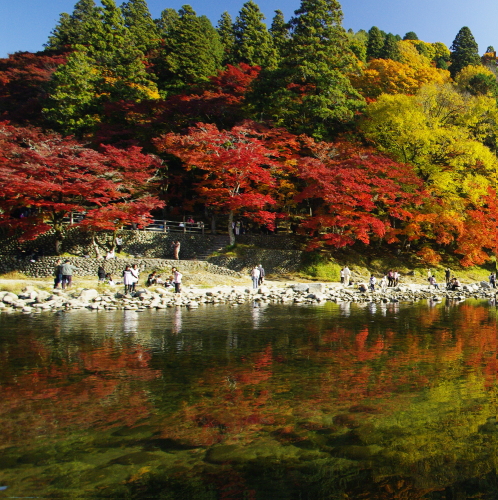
36,300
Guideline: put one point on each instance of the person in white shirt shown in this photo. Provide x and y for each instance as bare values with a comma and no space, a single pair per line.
255,277
177,279
347,275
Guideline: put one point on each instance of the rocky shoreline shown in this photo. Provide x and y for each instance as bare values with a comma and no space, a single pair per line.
33,300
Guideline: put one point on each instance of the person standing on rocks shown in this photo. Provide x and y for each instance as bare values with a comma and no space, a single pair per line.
127,279
57,273
67,271
177,279
447,275
135,272
255,277
372,282
347,275
176,249
261,274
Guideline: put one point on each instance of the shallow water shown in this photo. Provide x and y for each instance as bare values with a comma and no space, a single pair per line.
251,402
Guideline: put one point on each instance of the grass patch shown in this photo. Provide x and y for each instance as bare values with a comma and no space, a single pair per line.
319,267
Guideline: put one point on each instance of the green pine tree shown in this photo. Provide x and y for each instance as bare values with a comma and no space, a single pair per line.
253,42
411,35
279,31
227,38
72,105
310,91
75,28
375,45
142,28
358,44
391,49
192,52
165,24
464,51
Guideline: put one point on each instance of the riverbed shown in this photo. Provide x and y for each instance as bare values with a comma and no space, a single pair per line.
257,400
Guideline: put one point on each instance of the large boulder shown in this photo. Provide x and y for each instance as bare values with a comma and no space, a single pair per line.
9,298
316,287
88,294
301,287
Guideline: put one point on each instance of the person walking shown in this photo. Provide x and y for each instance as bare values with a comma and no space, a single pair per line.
261,275
57,273
347,275
255,277
176,249
127,279
177,279
67,271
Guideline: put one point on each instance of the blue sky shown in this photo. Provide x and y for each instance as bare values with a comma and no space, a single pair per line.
26,24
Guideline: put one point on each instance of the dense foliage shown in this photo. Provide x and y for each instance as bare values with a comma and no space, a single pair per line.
354,138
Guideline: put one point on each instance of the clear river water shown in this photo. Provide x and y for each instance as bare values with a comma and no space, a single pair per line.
257,401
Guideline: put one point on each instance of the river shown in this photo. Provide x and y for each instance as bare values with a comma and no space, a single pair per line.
257,401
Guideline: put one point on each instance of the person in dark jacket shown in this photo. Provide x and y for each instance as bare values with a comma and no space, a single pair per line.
58,273
261,275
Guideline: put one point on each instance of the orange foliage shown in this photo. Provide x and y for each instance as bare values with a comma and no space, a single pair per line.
384,76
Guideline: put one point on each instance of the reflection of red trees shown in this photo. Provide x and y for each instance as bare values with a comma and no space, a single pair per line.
240,403
374,364
100,389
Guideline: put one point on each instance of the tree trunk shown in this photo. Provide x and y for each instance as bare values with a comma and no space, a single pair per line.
231,234
95,246
213,224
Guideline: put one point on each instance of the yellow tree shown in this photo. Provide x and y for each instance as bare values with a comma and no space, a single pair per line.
443,133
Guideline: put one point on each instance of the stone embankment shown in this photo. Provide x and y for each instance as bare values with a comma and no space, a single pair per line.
32,300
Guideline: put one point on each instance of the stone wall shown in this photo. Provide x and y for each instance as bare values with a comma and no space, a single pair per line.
137,243
275,242
274,261
44,267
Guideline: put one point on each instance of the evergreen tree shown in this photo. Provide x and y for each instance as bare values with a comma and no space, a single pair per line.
253,42
116,58
310,91
227,38
165,24
193,51
72,106
411,35
75,28
279,31
375,44
464,51
142,28
358,44
390,49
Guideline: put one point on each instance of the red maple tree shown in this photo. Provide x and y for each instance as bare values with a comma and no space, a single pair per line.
355,193
234,169
44,176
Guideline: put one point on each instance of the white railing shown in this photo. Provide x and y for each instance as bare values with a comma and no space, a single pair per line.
159,225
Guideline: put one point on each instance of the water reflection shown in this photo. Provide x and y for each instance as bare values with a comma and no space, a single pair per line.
373,401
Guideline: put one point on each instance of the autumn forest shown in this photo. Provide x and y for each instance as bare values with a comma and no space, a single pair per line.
356,139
